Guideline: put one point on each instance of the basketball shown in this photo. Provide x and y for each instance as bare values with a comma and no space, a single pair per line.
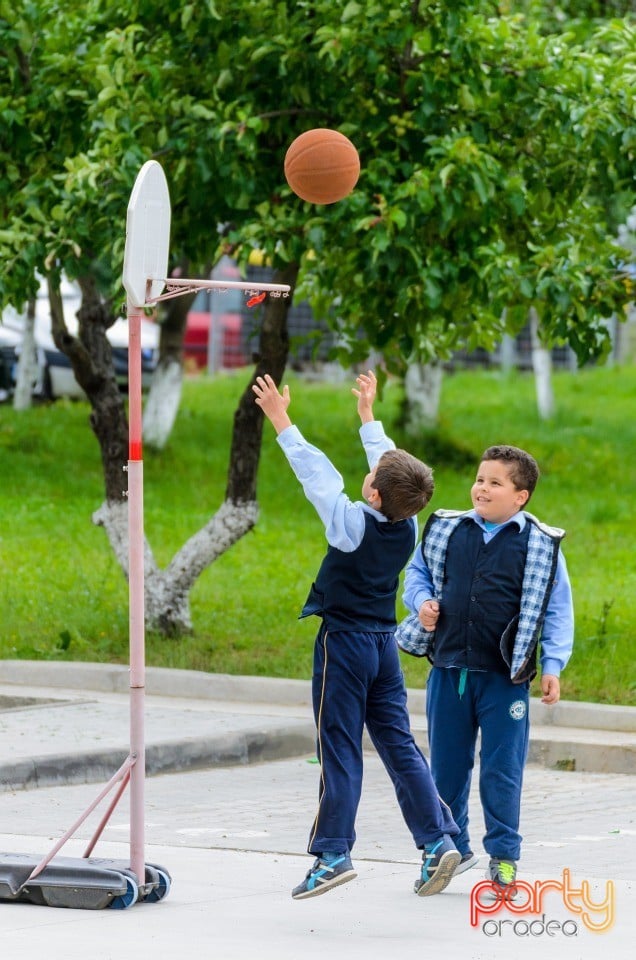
322,166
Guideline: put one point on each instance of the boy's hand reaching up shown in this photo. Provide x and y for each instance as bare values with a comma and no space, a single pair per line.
367,386
272,403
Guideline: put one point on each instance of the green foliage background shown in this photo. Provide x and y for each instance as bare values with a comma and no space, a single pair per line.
497,143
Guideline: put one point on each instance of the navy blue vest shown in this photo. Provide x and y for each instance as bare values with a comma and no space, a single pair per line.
481,595
356,591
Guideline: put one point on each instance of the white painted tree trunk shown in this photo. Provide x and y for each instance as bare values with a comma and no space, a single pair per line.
27,364
422,387
508,353
162,403
542,366
167,592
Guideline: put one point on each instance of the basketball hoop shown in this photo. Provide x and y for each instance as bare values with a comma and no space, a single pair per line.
148,244
177,288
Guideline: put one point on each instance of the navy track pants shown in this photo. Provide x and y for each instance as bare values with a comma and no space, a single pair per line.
358,679
496,707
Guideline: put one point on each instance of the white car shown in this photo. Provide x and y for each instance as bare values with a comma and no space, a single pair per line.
9,345
55,376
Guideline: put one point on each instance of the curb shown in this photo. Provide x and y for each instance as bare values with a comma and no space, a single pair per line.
254,746
164,682
160,681
593,755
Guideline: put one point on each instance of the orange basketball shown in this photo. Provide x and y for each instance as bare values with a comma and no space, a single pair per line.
322,166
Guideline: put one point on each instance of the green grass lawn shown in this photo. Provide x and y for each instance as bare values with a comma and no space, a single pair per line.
64,597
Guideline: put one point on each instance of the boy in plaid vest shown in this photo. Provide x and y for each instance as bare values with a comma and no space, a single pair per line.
484,586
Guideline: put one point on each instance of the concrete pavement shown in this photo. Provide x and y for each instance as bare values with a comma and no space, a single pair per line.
229,801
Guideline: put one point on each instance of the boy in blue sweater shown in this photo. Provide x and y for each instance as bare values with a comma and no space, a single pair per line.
485,586
357,678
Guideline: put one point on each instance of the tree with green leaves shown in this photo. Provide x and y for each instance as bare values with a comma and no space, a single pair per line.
497,160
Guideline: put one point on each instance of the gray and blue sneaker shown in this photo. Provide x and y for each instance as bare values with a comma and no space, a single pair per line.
502,874
439,861
329,870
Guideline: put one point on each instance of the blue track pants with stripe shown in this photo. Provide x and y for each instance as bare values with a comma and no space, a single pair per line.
358,680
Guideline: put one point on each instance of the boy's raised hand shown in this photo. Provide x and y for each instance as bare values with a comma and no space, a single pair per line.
367,386
272,403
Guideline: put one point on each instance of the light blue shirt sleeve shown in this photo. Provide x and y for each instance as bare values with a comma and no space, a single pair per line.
418,583
375,441
324,487
558,628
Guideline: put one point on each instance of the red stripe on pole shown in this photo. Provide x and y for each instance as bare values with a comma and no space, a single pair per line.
134,450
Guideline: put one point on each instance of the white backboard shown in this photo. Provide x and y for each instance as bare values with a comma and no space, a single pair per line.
147,235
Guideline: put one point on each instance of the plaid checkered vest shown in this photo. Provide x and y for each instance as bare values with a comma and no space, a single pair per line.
519,640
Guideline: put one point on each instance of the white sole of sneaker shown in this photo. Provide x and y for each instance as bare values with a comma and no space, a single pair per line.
468,865
442,876
326,886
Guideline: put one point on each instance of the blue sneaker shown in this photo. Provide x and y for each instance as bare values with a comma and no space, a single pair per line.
327,872
439,861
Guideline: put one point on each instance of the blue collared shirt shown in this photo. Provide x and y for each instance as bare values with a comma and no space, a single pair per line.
324,487
558,628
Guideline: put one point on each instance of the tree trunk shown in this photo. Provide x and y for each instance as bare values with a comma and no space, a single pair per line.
92,361
164,396
162,403
248,419
508,353
542,366
422,388
27,364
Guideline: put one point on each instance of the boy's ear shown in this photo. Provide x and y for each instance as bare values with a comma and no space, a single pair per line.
374,499
523,496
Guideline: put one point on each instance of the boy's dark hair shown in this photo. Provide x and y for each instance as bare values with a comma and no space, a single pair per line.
524,471
404,483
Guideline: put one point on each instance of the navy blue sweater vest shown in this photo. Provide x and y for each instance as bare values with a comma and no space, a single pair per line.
480,596
356,591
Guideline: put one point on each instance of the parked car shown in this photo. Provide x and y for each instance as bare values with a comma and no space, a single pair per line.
10,342
55,376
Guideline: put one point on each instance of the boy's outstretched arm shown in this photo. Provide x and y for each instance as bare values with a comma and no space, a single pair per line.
272,403
367,386
323,485
372,434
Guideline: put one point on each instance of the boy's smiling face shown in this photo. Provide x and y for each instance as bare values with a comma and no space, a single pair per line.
494,495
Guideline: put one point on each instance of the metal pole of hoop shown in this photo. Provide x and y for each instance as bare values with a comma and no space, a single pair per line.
136,594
